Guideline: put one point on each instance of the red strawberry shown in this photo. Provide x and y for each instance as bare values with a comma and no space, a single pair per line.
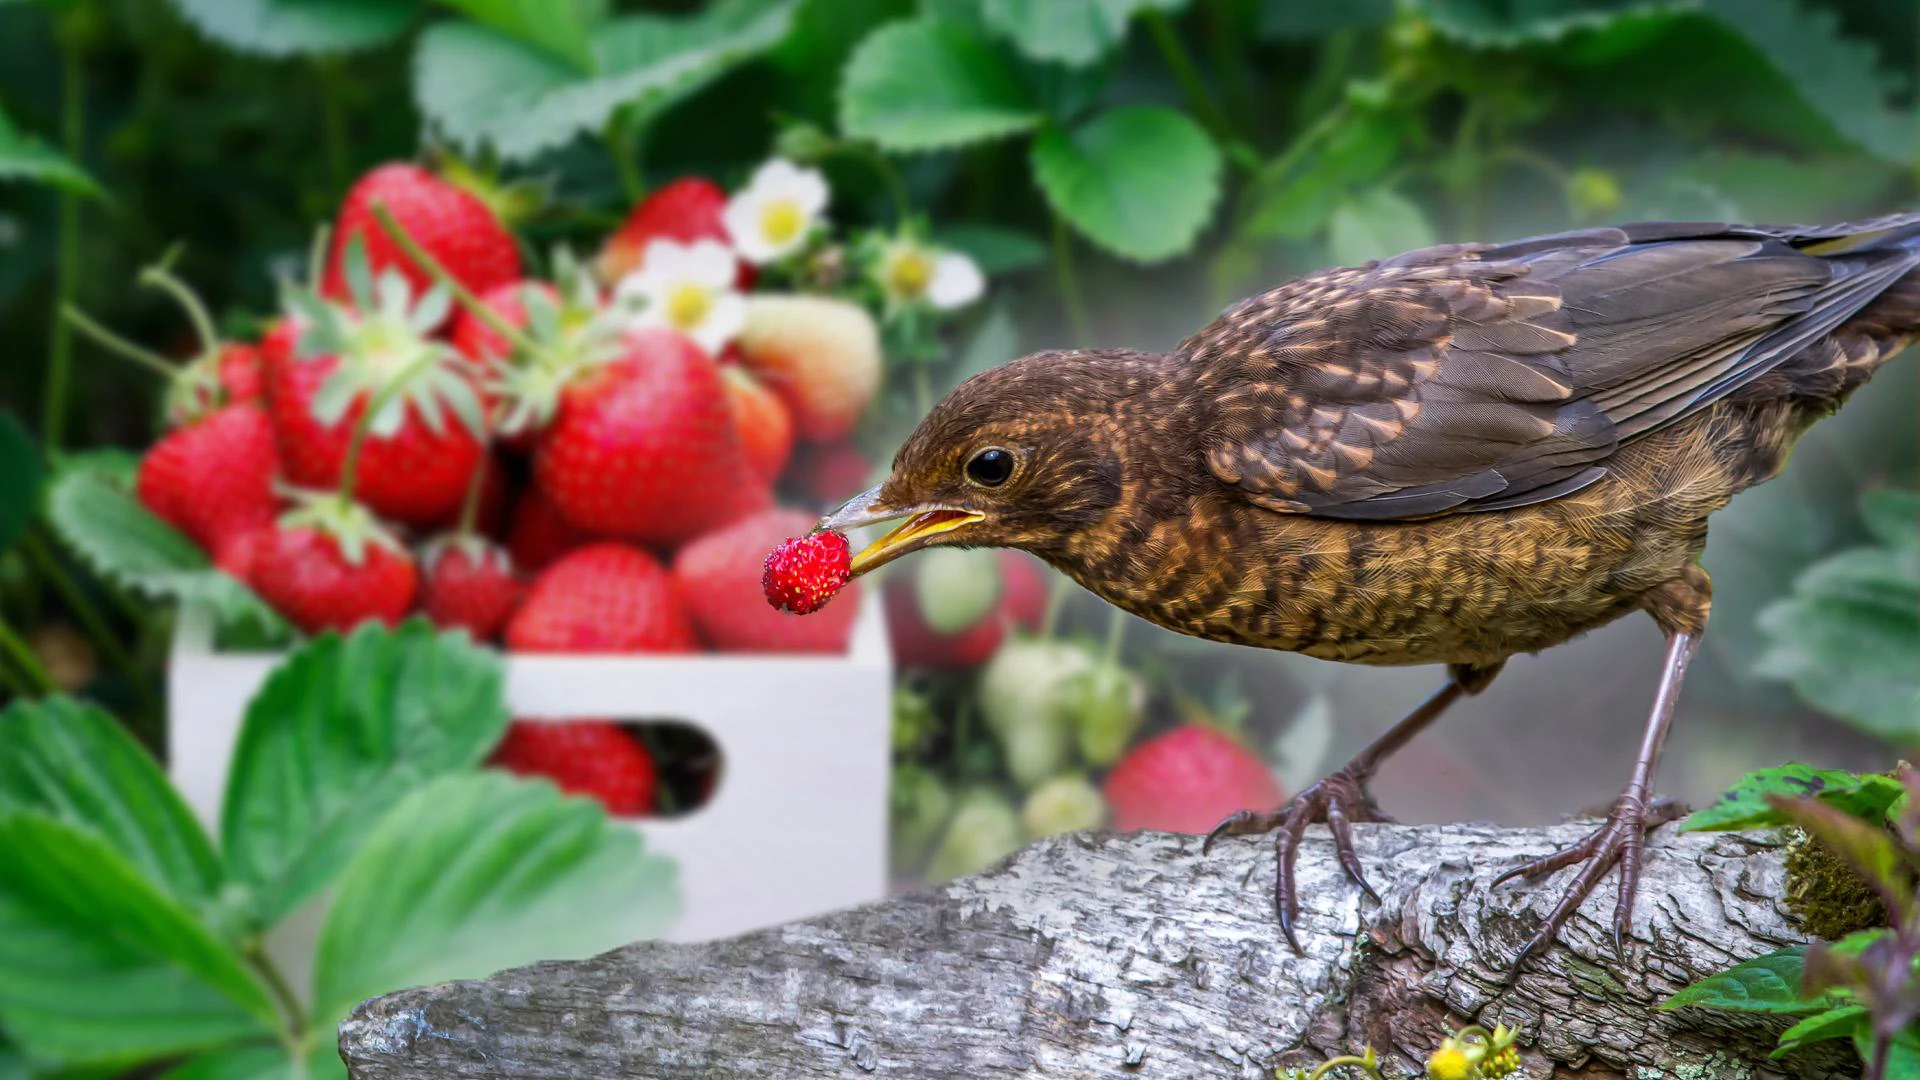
539,536
719,578
1186,781
829,474
765,426
917,645
604,598
821,355
213,479
644,447
451,224
278,346
470,584
242,372
490,516
421,449
595,758
685,210
329,565
478,341
1024,594
803,572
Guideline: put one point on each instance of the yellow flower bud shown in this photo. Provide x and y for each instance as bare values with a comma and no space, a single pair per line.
1449,1063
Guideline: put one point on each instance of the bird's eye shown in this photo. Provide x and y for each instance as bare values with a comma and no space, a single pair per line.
990,467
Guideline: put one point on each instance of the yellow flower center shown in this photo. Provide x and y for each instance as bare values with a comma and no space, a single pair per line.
910,273
688,305
1449,1063
781,220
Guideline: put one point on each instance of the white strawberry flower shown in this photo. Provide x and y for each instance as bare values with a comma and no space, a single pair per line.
911,272
689,288
772,218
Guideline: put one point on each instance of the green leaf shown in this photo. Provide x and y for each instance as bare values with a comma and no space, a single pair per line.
1376,224
1839,77
1765,984
1505,23
262,1063
19,479
1140,181
477,873
96,513
997,250
96,964
1069,31
1847,636
72,762
1835,1023
560,28
341,732
25,157
1295,21
479,86
1893,517
300,27
921,84
994,343
1745,805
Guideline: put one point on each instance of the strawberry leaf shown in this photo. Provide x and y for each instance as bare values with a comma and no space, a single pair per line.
342,731
1374,225
476,873
98,965
25,157
1139,181
1069,31
296,27
923,84
72,762
92,507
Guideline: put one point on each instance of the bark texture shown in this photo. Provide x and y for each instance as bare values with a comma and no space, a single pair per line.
1103,955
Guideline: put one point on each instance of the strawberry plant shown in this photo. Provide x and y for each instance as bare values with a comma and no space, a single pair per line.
133,936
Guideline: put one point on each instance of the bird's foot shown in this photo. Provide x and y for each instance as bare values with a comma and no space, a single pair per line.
1618,841
1339,800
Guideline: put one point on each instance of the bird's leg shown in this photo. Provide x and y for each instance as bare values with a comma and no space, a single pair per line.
1341,799
1680,607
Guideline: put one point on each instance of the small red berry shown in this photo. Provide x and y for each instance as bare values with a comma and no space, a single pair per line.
804,572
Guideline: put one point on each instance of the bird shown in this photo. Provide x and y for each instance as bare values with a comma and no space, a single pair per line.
1450,457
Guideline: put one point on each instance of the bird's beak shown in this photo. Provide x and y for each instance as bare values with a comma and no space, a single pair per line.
912,534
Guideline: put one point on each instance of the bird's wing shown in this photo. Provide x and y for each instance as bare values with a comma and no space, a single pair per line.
1475,378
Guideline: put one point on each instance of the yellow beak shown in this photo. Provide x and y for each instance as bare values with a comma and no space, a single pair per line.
926,522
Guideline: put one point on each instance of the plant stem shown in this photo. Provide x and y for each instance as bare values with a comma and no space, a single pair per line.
493,319
22,655
625,154
295,1031
117,345
1116,633
350,464
1070,298
67,272
1199,98
89,617
922,389
470,503
159,277
1056,605
882,167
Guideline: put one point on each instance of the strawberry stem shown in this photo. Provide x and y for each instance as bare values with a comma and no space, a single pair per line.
159,277
317,257
350,465
118,345
470,503
494,321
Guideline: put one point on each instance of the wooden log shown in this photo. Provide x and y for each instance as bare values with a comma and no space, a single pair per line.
1104,955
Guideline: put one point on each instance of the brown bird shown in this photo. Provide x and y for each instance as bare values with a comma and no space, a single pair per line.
1449,457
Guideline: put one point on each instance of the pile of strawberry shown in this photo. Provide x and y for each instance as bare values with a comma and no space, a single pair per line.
593,460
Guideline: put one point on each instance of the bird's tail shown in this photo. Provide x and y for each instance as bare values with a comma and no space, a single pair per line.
1830,369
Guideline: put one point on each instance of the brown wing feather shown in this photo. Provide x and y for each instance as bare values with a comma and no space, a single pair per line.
1473,378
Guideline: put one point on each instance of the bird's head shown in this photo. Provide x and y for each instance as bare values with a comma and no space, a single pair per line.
1021,456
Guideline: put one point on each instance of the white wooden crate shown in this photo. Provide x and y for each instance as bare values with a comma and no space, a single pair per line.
796,826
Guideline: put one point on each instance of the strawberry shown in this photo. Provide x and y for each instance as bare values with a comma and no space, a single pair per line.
827,474
644,447
468,583
479,342
606,597
804,572
329,565
596,758
490,514
685,210
917,645
765,426
821,355
213,479
1063,804
720,578
539,536
243,373
1186,781
428,435
1024,592
452,224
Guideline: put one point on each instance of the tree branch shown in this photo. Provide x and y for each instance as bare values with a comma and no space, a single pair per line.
1102,955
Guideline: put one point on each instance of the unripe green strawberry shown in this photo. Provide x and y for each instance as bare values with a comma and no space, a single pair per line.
1107,704
1063,804
983,831
921,805
1023,699
956,587
1037,750
913,719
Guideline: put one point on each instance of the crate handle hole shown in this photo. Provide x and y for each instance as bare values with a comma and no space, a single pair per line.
639,769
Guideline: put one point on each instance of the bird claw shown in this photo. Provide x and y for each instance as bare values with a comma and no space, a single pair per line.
1337,801
1618,841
